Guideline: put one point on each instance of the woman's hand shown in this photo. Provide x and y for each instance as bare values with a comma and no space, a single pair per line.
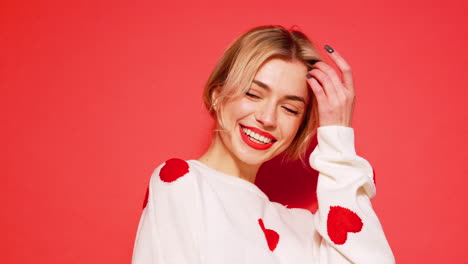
335,96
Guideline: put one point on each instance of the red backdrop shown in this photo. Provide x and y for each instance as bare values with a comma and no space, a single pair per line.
96,94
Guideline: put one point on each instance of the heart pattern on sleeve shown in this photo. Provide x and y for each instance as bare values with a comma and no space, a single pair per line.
173,170
340,222
271,236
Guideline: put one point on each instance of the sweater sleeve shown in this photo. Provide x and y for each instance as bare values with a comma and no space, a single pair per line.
348,228
169,227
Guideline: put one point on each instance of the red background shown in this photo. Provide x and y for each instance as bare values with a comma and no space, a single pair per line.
95,95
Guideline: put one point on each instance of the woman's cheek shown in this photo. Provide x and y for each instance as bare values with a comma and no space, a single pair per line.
290,126
246,106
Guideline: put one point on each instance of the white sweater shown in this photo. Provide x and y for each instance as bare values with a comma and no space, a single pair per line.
195,214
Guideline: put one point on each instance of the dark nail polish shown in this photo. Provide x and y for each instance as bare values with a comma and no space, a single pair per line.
312,62
309,76
329,49
310,68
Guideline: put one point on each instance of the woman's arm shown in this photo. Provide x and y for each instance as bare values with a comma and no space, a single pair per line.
348,226
349,229
170,226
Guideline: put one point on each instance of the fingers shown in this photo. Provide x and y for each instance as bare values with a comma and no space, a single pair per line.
328,78
343,66
328,71
325,82
316,88
334,93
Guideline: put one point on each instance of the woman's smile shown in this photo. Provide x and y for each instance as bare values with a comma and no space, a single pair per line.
256,138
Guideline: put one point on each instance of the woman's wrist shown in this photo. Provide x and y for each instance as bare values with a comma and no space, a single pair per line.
336,139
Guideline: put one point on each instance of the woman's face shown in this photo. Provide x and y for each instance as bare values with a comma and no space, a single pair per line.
263,122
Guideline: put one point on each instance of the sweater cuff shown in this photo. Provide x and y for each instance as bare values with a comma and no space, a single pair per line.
336,139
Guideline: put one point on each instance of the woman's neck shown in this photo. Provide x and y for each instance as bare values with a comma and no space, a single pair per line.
219,158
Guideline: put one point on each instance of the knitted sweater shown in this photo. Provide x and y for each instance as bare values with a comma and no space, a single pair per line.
195,214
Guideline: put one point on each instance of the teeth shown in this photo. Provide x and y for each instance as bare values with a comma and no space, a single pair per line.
256,137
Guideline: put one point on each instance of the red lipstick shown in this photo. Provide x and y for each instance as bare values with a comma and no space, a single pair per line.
253,144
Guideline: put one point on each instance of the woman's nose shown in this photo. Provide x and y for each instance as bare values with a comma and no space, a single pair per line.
266,115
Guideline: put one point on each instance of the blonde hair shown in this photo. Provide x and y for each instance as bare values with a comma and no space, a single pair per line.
234,72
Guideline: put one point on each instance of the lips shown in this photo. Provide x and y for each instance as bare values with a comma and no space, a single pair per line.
255,145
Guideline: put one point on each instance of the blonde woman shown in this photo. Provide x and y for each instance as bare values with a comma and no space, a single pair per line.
269,94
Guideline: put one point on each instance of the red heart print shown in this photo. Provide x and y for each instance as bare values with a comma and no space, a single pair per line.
341,221
271,236
173,170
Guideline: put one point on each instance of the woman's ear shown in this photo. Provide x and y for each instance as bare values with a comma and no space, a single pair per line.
216,107
214,98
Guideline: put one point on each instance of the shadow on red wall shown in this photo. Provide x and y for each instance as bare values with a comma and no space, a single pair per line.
291,183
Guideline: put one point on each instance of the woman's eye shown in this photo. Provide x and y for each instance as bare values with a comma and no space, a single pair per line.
252,95
291,111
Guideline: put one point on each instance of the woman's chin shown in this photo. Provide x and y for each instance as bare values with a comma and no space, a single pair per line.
254,159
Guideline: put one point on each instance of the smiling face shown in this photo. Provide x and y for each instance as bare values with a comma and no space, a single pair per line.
262,123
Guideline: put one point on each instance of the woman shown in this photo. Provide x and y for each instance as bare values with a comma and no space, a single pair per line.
269,94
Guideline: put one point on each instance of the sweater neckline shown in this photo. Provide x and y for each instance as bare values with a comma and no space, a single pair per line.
233,179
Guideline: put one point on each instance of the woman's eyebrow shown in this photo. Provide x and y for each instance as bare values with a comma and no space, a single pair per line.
289,97
263,85
295,98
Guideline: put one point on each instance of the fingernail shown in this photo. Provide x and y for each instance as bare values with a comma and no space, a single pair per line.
309,76
312,62
329,49
310,68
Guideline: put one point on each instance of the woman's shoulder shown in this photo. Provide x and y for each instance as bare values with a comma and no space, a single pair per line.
195,172
174,169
